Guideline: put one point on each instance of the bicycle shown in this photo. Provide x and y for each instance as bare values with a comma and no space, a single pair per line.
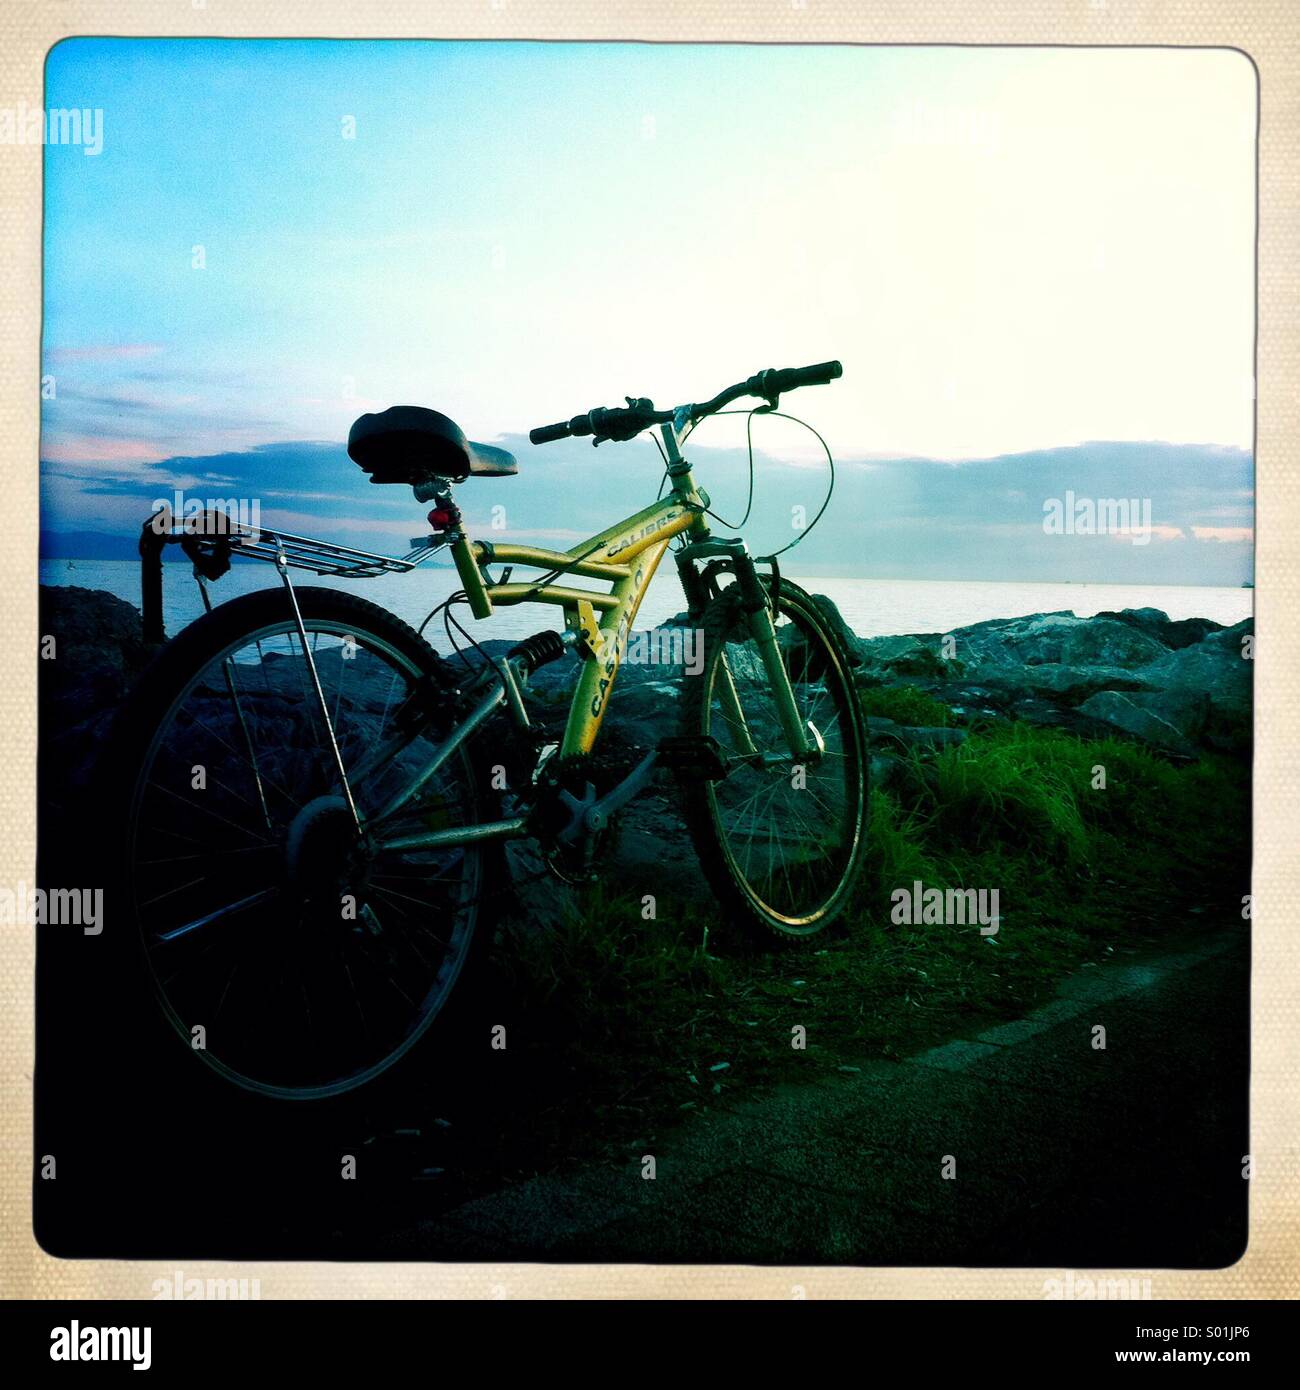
312,818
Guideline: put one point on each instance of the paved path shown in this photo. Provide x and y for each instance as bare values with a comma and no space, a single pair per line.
1065,1155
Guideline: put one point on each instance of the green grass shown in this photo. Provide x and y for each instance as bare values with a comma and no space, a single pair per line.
608,962
637,1014
905,704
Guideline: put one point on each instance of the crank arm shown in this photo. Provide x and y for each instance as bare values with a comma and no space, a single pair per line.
598,815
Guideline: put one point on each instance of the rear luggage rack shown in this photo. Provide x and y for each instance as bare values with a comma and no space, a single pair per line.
217,538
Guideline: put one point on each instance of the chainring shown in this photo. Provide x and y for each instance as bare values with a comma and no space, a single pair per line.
582,776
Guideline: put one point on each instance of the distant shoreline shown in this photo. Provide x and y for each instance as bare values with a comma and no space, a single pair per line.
174,555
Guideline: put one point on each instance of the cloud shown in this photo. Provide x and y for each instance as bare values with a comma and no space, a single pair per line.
1157,533
119,403
904,518
97,449
1224,533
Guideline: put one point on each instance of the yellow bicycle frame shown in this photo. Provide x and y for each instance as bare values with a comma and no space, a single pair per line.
626,554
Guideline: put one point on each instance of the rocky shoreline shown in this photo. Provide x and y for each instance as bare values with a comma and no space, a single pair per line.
1182,687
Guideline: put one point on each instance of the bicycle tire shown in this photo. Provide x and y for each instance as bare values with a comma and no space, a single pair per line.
723,625
176,667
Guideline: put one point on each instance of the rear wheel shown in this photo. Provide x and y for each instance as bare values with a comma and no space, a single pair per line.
781,843
287,952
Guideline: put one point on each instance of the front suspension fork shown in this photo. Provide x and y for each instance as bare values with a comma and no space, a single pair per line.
758,617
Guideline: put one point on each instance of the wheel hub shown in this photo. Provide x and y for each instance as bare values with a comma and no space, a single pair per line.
325,857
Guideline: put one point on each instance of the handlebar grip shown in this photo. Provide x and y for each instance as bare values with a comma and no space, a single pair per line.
819,374
548,434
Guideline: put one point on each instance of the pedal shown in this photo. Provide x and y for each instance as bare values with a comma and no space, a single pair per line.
696,757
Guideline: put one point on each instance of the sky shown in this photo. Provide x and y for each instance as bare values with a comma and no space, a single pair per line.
1010,250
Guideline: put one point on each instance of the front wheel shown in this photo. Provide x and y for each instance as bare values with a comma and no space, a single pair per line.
781,842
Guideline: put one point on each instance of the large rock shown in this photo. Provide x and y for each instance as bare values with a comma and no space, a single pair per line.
1218,669
853,644
969,699
905,656
1232,640
989,642
1172,633
1172,720
92,650
1063,639
1053,714
1176,685
1127,638
1070,683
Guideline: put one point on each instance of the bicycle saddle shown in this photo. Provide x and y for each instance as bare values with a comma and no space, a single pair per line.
407,443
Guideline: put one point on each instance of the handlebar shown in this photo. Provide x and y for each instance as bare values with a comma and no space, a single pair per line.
547,434
621,423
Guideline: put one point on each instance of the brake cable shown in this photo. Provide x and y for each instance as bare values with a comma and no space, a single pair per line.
826,501
461,596
749,501
749,441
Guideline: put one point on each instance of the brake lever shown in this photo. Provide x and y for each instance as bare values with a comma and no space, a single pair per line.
770,397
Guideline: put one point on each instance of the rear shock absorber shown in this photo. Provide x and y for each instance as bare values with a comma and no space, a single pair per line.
539,649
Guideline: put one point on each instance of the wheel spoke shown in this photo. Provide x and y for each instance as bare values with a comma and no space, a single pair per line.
217,915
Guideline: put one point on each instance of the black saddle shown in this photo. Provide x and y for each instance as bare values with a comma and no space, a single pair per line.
407,444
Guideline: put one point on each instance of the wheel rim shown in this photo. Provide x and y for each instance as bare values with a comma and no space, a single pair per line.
790,834
310,962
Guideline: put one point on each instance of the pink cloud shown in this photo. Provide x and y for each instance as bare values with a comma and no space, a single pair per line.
89,449
1224,533
1155,532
